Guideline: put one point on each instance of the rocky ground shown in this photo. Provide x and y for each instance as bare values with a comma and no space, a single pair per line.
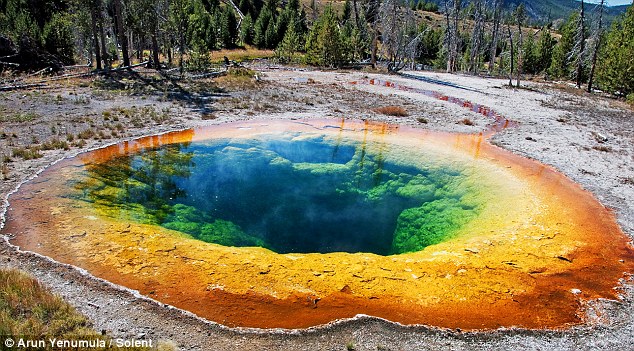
590,139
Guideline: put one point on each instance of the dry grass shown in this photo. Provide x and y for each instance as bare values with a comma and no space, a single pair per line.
86,134
29,309
5,171
238,79
602,148
208,116
467,122
392,111
55,143
27,153
239,55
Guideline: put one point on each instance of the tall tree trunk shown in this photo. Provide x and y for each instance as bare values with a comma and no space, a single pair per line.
356,14
155,51
519,54
508,28
454,34
448,34
139,47
105,56
580,44
167,43
375,47
181,40
123,40
597,43
476,37
520,16
95,33
496,28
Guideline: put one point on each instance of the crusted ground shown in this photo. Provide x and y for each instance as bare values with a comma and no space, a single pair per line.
589,139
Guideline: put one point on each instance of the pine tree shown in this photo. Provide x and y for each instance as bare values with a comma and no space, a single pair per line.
560,66
291,43
347,11
228,28
530,58
430,44
615,71
58,37
261,26
544,49
271,38
324,44
247,33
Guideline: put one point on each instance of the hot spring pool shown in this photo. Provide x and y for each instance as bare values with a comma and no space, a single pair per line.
297,223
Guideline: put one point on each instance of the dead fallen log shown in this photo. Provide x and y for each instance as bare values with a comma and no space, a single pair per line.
208,75
42,82
21,86
9,64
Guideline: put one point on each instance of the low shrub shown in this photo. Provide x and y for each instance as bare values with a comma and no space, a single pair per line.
396,111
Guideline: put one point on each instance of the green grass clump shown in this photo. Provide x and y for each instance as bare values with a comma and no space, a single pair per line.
54,144
19,117
27,153
86,134
240,72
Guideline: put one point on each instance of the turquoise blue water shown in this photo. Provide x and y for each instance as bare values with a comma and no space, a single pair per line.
284,193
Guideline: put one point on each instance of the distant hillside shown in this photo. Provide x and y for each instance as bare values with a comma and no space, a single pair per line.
544,10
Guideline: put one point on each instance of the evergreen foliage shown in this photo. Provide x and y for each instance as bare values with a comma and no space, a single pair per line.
65,29
325,45
615,71
560,66
544,50
57,36
430,44
247,31
530,59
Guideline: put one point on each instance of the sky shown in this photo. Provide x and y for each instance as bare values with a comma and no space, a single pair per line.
612,2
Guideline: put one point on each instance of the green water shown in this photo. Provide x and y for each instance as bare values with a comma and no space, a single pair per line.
288,193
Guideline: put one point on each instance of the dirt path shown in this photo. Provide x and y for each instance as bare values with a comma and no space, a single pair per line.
589,140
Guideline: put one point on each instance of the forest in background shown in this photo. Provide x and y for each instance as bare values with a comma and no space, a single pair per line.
478,36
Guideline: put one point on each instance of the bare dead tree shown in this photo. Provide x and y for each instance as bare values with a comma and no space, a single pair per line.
457,6
579,48
356,14
448,33
397,25
121,33
510,34
520,16
372,16
452,16
105,55
497,11
154,36
596,40
94,15
476,36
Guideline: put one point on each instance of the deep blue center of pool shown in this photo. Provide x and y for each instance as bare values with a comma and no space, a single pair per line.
287,194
